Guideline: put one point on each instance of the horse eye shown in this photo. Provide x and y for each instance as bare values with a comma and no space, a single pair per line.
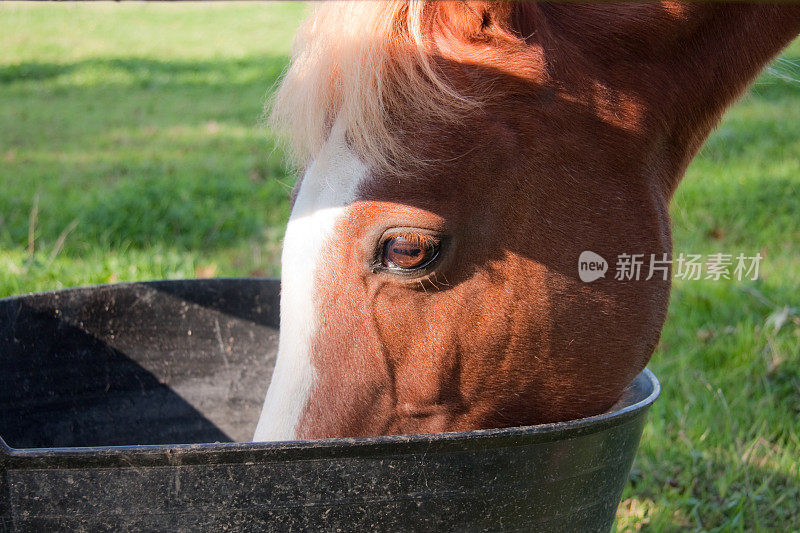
409,251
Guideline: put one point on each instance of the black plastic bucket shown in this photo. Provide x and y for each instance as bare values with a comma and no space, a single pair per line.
110,396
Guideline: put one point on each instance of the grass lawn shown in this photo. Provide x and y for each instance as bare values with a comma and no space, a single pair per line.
131,149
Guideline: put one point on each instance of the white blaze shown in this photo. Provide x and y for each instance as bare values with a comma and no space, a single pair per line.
329,185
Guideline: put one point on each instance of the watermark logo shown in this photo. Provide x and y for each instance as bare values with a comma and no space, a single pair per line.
635,267
591,266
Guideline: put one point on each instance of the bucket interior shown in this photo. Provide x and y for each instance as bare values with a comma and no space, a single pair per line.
140,363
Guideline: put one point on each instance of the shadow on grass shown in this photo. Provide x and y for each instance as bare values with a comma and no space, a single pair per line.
222,71
141,161
206,210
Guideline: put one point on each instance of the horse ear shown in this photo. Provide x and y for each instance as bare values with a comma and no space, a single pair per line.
482,20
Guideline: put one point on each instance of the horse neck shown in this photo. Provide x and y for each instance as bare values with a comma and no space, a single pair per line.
731,45
685,63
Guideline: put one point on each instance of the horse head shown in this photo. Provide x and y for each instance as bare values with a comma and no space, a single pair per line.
457,159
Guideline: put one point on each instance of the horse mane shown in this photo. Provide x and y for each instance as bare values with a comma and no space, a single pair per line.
359,61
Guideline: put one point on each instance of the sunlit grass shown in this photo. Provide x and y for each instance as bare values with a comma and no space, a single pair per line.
721,449
131,148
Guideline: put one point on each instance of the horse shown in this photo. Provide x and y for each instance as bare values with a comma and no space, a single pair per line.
455,161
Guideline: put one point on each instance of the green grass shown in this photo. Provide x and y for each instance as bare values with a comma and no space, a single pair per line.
721,450
130,133
130,148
